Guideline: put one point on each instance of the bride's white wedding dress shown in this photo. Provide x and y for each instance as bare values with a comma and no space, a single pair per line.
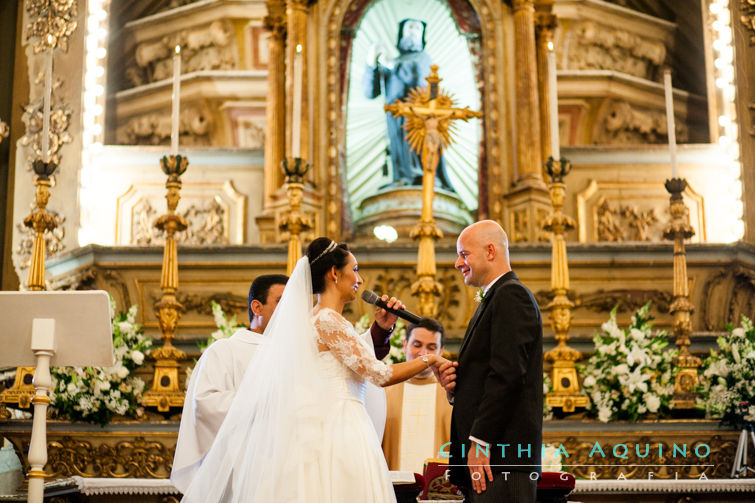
298,430
353,466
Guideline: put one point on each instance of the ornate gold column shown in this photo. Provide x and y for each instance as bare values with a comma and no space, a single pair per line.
681,308
165,392
545,26
22,390
294,223
527,203
566,394
527,114
275,145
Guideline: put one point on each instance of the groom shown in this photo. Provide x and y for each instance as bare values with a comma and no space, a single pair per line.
497,389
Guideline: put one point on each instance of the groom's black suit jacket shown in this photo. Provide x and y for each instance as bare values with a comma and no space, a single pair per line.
499,385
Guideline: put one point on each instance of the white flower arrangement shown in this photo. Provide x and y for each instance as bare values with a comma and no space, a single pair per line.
547,388
552,459
727,383
631,373
96,394
226,325
396,341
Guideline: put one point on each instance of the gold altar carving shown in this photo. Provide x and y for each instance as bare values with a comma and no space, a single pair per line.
727,295
612,222
627,210
566,394
53,18
715,452
54,239
165,392
681,308
428,112
135,450
625,300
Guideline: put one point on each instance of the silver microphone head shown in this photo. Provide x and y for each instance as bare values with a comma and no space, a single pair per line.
370,297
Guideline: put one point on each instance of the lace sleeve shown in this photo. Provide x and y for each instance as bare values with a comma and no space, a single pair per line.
340,338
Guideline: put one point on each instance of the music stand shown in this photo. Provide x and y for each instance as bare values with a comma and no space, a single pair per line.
52,328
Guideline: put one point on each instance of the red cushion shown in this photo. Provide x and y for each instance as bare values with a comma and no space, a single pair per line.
556,480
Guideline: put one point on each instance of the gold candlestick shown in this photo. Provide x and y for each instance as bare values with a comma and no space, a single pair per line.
22,390
566,394
429,113
165,392
294,223
681,308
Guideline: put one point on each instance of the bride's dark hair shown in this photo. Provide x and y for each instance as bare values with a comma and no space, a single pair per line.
321,260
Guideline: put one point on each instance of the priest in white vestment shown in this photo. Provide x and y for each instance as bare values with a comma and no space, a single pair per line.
418,420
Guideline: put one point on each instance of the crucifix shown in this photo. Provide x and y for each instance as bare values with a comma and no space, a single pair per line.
429,114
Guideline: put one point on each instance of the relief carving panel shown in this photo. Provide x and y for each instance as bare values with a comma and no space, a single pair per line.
594,46
618,211
195,128
207,47
620,123
215,212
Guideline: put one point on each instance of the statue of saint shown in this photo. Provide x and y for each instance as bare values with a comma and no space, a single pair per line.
408,71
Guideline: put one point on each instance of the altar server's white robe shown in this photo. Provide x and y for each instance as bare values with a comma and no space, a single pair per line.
211,389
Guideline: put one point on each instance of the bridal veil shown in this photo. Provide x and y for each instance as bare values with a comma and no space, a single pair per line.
267,448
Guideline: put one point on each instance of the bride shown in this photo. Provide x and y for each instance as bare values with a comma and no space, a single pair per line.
298,430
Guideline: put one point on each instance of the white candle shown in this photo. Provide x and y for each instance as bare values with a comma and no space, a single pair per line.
296,111
176,101
46,107
670,121
553,102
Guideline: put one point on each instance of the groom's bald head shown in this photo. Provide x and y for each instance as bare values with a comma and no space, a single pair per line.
483,250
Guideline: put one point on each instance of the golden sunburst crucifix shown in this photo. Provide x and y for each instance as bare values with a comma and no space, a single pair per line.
429,112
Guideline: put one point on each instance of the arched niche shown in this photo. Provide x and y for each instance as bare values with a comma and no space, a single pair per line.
489,22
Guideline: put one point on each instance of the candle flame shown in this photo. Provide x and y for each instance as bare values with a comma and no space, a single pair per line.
298,48
50,40
178,49
550,46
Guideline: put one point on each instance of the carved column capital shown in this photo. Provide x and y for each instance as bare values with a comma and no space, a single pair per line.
275,21
545,26
523,4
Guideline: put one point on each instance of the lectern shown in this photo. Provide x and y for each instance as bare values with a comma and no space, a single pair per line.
52,328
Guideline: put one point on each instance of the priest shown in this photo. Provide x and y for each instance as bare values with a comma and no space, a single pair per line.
418,419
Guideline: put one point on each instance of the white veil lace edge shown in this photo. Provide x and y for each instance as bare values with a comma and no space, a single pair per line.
269,436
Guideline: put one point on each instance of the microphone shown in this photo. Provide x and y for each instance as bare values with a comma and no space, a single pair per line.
371,297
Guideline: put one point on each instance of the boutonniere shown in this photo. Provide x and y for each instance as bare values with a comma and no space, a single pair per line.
479,296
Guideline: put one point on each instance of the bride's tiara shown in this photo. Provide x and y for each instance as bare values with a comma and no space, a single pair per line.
328,249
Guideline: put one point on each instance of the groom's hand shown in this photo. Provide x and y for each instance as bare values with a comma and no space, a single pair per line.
479,467
446,375
387,319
